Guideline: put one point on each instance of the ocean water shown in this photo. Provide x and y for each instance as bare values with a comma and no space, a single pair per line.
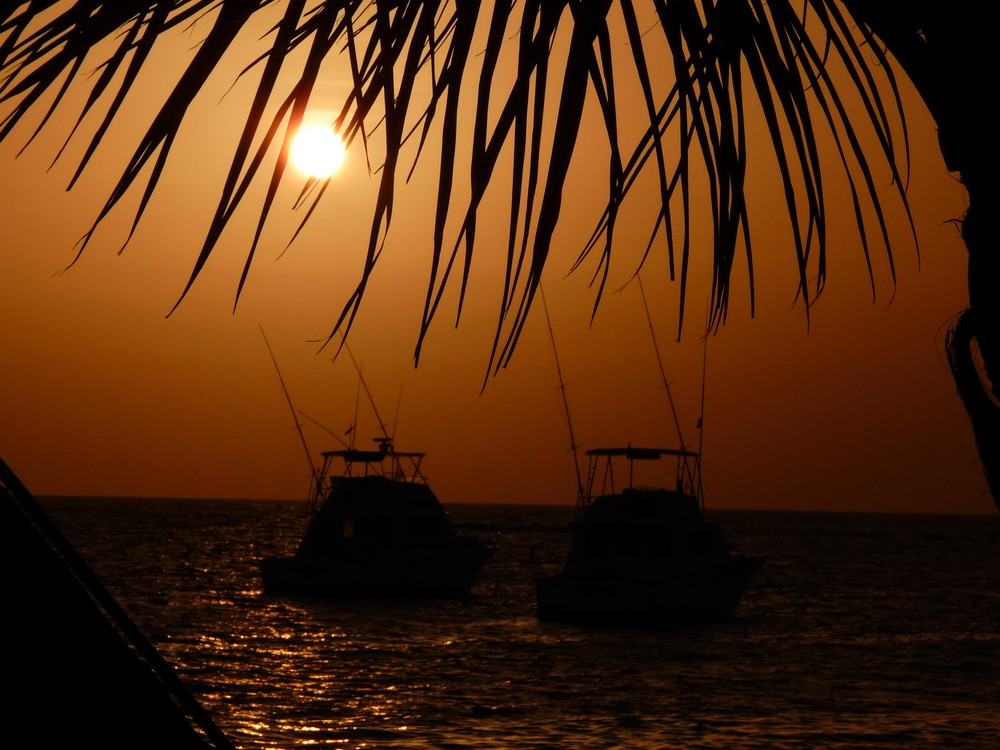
861,631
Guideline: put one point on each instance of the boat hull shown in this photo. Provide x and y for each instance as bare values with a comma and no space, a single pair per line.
441,569
713,592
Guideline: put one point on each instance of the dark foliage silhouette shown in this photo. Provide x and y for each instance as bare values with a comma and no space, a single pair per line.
510,77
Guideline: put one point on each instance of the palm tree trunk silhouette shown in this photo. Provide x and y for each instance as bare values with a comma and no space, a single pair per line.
946,50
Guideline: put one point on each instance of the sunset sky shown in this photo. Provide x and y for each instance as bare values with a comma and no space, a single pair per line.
101,393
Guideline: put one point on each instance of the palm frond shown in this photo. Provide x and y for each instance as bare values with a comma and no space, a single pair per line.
700,65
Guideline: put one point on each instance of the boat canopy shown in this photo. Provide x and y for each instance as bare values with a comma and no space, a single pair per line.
601,475
385,461
633,454
352,455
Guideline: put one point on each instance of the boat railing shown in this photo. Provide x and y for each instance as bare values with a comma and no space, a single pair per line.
385,461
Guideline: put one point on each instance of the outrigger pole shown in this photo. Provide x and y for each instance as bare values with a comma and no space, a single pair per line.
313,471
581,494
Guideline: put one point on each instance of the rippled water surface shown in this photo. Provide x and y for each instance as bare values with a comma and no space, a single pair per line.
861,631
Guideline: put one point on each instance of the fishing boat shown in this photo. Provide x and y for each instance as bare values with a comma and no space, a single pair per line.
376,529
645,551
641,550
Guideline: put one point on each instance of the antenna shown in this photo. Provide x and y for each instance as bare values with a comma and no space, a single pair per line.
298,425
581,495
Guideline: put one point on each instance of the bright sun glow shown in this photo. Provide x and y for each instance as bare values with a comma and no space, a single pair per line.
317,151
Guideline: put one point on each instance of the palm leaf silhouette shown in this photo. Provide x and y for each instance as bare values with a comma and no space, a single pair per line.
514,79
408,61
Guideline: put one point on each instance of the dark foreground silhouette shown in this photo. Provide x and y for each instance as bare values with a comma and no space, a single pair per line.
79,673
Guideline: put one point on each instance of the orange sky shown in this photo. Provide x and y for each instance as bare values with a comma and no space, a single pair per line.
102,394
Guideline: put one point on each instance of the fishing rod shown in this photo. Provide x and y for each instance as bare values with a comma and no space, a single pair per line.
326,429
371,399
581,494
313,471
353,430
659,362
693,475
701,415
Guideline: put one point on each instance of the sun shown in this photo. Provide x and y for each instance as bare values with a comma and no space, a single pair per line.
317,151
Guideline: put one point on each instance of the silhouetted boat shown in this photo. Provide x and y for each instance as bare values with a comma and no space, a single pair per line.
645,552
376,529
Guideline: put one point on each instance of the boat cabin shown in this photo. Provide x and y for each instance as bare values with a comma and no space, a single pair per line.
366,496
623,524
